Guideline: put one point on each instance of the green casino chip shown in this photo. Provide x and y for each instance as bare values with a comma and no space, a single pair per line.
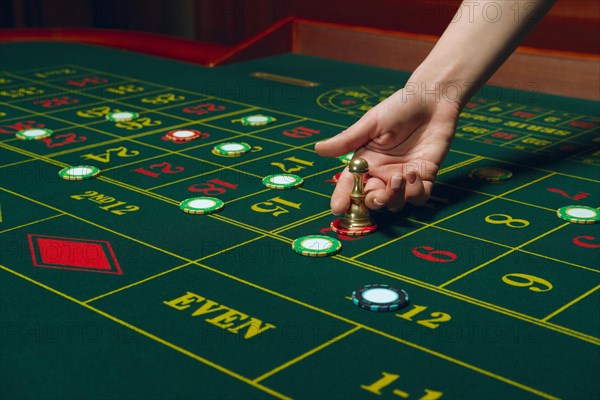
491,174
34,134
282,181
79,172
380,297
579,214
316,246
231,149
122,116
346,158
201,205
257,120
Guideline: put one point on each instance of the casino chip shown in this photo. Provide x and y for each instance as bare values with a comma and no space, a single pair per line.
231,149
122,116
34,134
256,120
201,205
579,214
357,231
282,181
491,174
79,172
380,297
316,246
346,158
183,135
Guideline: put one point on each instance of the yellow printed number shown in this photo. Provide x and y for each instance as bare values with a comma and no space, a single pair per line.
275,206
504,219
96,112
139,123
387,379
164,98
533,283
434,322
121,151
298,163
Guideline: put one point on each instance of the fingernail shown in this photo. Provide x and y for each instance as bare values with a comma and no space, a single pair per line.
396,182
412,178
378,203
337,215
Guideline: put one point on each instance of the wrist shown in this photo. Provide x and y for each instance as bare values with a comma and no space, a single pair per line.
445,85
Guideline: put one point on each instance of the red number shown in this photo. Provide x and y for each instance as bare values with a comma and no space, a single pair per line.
18,126
214,187
164,167
578,196
431,254
201,109
523,114
324,231
583,124
56,102
93,80
347,102
471,105
579,241
63,139
504,135
301,132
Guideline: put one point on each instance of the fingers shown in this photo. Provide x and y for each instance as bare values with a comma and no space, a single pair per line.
418,191
349,140
390,195
340,199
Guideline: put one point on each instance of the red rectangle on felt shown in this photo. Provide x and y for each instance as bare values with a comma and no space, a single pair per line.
74,254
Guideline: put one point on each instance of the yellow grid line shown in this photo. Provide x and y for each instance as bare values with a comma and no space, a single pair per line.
474,301
457,213
187,264
387,335
215,97
78,107
152,336
511,247
237,224
527,166
305,355
144,109
349,261
456,278
569,304
29,223
258,385
16,162
312,307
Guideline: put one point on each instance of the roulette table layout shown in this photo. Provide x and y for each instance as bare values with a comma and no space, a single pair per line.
109,290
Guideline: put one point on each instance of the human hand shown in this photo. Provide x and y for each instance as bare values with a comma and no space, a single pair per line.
404,139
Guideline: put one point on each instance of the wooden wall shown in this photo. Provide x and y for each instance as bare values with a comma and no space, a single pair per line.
571,25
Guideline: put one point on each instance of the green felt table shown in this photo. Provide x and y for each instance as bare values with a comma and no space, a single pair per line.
108,290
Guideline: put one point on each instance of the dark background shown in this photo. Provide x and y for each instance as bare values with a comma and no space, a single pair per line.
572,25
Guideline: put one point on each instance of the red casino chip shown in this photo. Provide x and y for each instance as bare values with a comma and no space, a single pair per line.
357,231
183,135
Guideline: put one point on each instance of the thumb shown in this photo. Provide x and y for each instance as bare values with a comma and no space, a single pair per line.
349,140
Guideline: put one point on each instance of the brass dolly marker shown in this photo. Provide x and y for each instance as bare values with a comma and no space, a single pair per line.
357,220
